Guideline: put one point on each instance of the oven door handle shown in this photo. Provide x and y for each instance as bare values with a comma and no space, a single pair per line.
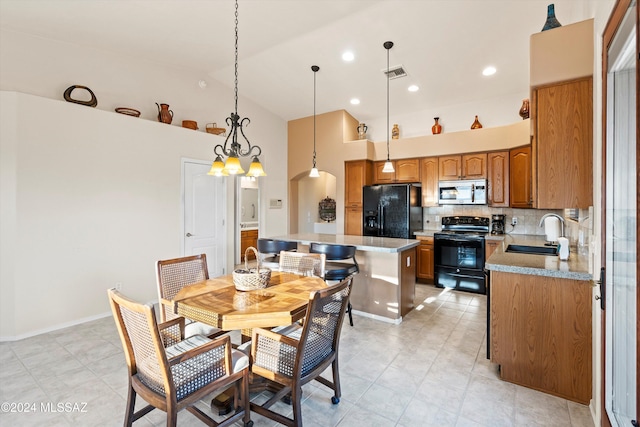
465,276
449,239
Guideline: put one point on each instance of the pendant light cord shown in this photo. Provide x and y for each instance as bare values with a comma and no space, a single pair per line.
314,68
388,46
388,160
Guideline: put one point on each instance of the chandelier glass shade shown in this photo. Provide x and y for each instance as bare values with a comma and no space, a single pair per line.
232,149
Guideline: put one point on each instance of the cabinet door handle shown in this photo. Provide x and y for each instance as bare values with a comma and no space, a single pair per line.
189,235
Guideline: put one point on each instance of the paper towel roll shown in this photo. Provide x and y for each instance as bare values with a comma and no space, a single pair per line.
552,228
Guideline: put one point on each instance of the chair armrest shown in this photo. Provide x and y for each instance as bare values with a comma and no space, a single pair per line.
211,345
172,331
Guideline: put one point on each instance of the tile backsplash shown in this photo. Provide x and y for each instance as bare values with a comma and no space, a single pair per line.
528,219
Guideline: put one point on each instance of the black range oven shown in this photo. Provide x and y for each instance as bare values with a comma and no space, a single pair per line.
459,252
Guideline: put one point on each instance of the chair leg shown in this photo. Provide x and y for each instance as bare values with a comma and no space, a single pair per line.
296,401
129,417
337,391
350,315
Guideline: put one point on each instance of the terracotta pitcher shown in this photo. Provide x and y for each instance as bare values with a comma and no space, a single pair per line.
164,114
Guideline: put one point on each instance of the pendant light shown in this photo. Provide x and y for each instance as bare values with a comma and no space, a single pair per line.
234,151
388,166
314,170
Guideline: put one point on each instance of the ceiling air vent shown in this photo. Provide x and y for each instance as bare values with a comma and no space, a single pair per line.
395,72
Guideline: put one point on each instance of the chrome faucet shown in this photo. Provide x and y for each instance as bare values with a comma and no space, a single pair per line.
557,216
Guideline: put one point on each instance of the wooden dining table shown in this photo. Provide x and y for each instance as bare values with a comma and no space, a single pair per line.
216,302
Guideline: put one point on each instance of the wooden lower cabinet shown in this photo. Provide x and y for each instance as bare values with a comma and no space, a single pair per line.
248,238
541,333
425,262
490,247
353,221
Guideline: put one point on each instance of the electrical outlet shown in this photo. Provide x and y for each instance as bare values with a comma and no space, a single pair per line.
514,221
118,286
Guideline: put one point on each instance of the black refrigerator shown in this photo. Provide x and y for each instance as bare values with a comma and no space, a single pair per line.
392,210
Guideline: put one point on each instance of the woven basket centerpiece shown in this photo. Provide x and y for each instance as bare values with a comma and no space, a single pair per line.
249,279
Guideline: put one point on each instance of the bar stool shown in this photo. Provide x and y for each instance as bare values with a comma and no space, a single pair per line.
269,251
340,269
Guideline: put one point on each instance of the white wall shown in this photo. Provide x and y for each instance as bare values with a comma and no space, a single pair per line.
91,197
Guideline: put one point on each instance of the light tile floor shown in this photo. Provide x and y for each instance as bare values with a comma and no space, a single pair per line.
430,370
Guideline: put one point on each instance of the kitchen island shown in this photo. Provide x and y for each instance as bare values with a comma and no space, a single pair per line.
384,288
539,311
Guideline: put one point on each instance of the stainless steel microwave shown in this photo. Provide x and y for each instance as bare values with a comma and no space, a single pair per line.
463,192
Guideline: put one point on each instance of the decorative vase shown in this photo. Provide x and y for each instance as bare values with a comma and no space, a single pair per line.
436,128
551,22
164,114
395,132
362,131
524,110
476,124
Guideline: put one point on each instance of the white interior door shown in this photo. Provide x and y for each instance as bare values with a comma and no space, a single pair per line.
205,204
621,228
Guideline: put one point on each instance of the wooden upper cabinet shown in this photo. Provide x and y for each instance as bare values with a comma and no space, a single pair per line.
380,177
474,166
429,174
520,177
466,166
498,179
450,168
406,170
357,174
563,138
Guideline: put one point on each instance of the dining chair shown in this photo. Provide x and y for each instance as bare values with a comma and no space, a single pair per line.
172,373
174,274
341,263
300,355
304,264
269,251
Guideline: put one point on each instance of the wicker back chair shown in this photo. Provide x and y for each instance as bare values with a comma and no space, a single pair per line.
174,274
302,263
172,373
298,356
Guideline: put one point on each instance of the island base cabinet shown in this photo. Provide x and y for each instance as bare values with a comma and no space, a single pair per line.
541,333
385,286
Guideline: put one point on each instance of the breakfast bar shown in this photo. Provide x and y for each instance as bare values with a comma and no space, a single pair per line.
384,288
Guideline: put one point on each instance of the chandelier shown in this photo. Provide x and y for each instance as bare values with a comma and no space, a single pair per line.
234,150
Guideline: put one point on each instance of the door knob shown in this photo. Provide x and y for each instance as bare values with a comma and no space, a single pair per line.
189,234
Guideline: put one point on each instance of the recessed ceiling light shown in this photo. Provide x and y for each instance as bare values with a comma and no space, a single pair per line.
489,71
348,56
413,88
355,101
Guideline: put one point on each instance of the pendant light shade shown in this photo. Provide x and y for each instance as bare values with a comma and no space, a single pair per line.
388,166
232,149
314,170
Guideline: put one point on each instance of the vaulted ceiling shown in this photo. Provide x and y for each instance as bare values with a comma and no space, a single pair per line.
443,45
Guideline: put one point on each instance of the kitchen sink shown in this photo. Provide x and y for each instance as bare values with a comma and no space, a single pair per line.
535,250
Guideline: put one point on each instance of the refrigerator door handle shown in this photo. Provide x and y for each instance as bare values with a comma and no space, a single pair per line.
381,219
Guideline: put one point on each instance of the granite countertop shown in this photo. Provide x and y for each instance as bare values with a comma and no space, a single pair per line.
362,243
576,267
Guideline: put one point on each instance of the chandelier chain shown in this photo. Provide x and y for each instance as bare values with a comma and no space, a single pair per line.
236,58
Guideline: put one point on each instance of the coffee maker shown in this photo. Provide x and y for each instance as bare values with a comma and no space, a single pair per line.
497,224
